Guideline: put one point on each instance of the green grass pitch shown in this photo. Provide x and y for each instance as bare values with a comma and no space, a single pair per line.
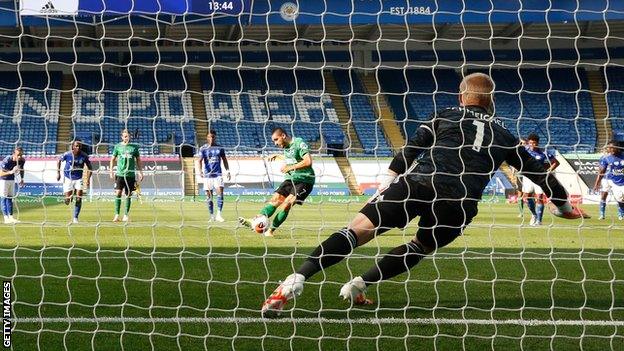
169,263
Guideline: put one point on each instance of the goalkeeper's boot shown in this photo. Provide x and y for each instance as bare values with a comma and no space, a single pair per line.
355,291
244,221
290,288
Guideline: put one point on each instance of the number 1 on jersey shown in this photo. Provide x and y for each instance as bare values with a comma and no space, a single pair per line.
478,141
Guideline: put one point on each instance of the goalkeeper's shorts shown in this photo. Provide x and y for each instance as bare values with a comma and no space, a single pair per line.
441,221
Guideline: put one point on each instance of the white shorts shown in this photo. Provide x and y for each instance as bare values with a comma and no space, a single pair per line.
213,183
605,186
7,188
71,184
528,187
617,191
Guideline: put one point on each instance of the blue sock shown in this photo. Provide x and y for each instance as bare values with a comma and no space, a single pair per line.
3,203
621,208
603,208
540,212
210,206
77,208
531,205
220,202
9,206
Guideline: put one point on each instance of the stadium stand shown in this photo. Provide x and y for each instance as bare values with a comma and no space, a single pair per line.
553,103
363,116
29,107
614,80
106,103
245,106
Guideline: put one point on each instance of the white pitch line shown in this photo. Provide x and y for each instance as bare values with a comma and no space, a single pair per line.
255,320
483,258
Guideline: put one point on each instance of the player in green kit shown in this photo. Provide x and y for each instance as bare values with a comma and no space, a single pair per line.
298,180
128,164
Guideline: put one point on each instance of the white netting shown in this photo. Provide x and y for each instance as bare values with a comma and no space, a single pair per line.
351,79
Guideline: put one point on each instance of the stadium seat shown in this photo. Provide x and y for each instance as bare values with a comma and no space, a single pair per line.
553,103
153,107
29,111
244,106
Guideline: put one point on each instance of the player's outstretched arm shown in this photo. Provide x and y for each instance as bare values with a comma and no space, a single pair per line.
275,157
532,169
305,162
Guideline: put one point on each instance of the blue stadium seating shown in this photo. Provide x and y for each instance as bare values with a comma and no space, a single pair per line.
244,106
615,97
362,114
554,103
104,104
29,110
558,108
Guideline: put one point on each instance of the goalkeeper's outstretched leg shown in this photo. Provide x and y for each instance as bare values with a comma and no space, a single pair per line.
443,188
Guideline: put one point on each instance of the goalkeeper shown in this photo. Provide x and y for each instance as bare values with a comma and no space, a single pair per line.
457,152
298,179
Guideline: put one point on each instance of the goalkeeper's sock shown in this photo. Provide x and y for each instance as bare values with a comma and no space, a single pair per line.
280,217
210,206
540,212
331,251
128,203
268,210
531,205
520,205
117,205
220,202
603,208
77,207
399,260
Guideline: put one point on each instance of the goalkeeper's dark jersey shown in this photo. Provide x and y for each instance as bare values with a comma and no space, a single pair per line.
459,149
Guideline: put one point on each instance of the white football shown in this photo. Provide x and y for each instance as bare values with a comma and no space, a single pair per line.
260,224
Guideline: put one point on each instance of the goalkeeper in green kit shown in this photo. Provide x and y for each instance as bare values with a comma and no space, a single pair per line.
298,179
128,164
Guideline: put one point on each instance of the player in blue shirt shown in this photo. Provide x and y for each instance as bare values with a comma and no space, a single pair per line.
10,165
75,162
612,165
208,165
532,190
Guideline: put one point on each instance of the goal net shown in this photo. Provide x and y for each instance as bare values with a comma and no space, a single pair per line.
353,80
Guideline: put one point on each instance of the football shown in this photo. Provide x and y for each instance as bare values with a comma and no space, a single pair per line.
260,224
